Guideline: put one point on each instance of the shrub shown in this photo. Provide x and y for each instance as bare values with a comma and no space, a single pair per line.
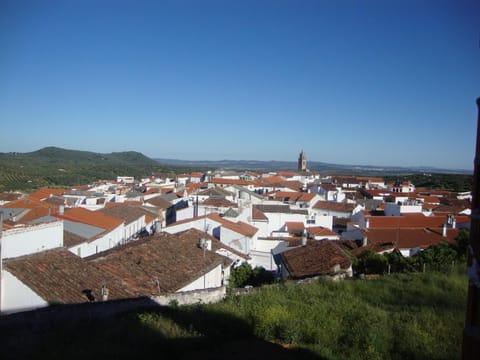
244,275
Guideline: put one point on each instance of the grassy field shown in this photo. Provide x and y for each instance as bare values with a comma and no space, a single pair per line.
405,316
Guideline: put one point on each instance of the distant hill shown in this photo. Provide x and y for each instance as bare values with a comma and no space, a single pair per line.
312,165
53,166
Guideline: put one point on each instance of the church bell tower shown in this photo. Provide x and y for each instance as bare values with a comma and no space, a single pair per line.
302,162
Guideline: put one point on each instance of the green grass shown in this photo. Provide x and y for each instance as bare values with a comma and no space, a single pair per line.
404,316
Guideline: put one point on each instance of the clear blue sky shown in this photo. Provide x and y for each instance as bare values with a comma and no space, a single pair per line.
372,82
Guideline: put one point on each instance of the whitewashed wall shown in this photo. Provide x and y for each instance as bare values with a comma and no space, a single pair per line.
16,296
32,239
134,227
212,279
185,213
103,243
235,240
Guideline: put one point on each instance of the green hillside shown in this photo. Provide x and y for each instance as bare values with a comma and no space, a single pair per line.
52,166
402,316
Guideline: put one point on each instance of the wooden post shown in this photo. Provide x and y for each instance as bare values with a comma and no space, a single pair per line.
471,331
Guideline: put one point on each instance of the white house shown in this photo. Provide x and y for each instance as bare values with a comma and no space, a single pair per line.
328,208
407,206
160,265
113,235
24,239
237,235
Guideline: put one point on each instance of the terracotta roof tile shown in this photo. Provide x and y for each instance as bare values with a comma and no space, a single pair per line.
224,181
93,218
60,276
219,202
283,209
10,196
162,263
258,215
273,180
407,238
45,193
314,259
334,206
295,226
321,231
128,213
160,202
239,227
293,196
415,220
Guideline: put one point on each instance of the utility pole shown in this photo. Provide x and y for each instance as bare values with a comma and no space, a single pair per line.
1,261
471,332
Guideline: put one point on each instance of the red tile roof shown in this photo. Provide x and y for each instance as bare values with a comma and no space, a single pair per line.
219,202
292,196
319,231
295,226
10,196
273,179
258,215
238,227
60,276
224,181
159,264
407,238
37,208
287,173
334,206
45,193
93,218
315,259
415,220
163,263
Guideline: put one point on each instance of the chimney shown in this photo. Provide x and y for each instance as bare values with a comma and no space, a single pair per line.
205,244
444,230
451,223
364,240
367,223
104,292
61,209
304,237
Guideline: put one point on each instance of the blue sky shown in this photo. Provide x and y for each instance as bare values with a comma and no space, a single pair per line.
372,82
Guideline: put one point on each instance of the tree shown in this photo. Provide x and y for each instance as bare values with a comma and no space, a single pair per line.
244,275
369,262
461,246
240,275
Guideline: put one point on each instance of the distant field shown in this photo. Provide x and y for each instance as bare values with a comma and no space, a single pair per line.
60,167
53,166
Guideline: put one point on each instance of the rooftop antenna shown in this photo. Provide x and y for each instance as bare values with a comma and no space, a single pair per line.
471,331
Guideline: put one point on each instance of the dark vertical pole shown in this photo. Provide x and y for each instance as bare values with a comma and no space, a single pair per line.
471,333
1,261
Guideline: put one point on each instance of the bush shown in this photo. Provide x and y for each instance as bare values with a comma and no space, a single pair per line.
369,262
244,275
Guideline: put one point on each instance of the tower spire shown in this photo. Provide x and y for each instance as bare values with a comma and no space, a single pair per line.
302,162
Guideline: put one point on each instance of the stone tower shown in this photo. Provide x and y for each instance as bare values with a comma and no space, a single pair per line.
302,162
